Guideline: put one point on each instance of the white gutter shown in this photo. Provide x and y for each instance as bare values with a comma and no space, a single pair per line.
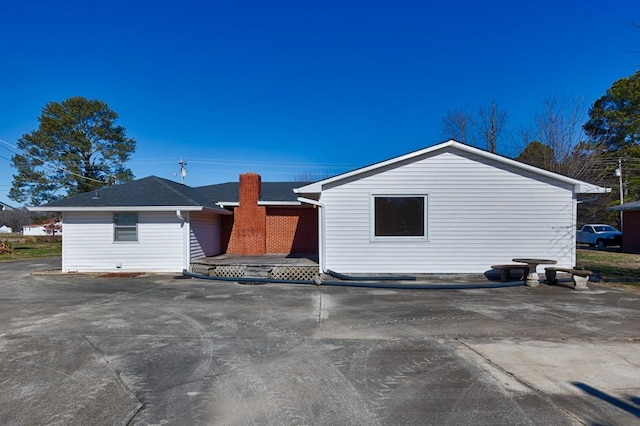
321,226
128,209
224,204
186,231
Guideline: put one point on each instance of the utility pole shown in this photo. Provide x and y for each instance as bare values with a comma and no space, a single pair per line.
619,174
183,170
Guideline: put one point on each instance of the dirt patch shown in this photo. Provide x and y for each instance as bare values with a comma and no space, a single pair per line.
121,275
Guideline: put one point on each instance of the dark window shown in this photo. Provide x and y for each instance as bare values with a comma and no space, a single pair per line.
605,228
125,227
399,216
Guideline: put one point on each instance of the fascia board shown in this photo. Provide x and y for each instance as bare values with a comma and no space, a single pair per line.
260,203
118,209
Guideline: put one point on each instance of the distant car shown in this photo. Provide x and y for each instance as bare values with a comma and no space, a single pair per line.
599,235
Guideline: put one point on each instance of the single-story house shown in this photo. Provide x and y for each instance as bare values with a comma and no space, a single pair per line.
449,208
631,225
4,229
154,224
49,227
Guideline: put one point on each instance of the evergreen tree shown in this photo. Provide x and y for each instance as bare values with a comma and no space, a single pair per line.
77,148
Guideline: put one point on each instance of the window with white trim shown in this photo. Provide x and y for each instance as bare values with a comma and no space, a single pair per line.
125,227
399,216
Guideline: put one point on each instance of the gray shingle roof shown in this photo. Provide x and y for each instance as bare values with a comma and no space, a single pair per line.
147,192
271,191
155,191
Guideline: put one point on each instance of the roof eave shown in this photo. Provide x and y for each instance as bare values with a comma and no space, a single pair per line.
587,188
260,203
117,208
624,207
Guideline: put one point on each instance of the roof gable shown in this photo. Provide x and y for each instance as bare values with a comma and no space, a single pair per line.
451,145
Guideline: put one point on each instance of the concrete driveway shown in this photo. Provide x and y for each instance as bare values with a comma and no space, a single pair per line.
155,350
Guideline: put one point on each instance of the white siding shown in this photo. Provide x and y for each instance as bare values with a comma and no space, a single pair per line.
479,213
205,235
88,246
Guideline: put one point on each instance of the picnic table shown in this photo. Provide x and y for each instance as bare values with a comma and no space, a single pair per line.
533,280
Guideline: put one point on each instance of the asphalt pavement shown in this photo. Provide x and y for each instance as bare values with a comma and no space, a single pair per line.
165,350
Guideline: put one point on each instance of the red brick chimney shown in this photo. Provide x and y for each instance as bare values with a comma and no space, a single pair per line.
249,234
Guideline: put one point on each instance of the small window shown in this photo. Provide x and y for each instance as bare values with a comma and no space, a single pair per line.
400,216
125,227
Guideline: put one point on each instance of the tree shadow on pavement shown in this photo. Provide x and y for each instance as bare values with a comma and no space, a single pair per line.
616,402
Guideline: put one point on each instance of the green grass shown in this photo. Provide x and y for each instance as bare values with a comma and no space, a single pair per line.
32,247
614,268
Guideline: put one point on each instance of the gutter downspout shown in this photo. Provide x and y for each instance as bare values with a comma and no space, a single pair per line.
321,226
186,250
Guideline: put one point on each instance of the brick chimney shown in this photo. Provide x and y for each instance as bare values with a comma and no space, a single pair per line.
249,234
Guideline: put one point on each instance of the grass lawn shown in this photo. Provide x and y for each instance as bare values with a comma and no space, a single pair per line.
31,247
614,268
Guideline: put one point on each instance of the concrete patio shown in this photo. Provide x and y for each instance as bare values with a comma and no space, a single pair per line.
160,349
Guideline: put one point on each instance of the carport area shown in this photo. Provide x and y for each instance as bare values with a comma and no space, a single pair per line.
159,349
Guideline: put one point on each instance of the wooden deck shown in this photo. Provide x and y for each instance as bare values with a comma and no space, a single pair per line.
266,260
268,266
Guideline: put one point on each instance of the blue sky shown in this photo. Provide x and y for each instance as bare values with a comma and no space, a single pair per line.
285,88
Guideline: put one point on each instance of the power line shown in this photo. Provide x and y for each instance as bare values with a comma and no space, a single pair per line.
51,165
233,162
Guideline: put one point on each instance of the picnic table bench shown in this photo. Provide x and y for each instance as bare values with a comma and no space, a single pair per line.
580,277
505,270
533,280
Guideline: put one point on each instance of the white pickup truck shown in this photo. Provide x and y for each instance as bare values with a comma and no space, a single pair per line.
599,235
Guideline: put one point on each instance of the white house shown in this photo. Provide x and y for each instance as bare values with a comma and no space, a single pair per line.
450,208
51,227
151,224
156,225
4,229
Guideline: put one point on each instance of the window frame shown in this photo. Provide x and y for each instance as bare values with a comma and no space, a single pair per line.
372,217
117,227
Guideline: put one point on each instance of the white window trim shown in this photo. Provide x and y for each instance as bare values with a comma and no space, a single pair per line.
116,241
372,219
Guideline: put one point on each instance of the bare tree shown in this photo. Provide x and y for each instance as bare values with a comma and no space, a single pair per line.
490,125
15,219
557,142
558,126
308,176
459,125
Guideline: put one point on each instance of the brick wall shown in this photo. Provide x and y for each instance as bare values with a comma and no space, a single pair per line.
258,230
292,230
